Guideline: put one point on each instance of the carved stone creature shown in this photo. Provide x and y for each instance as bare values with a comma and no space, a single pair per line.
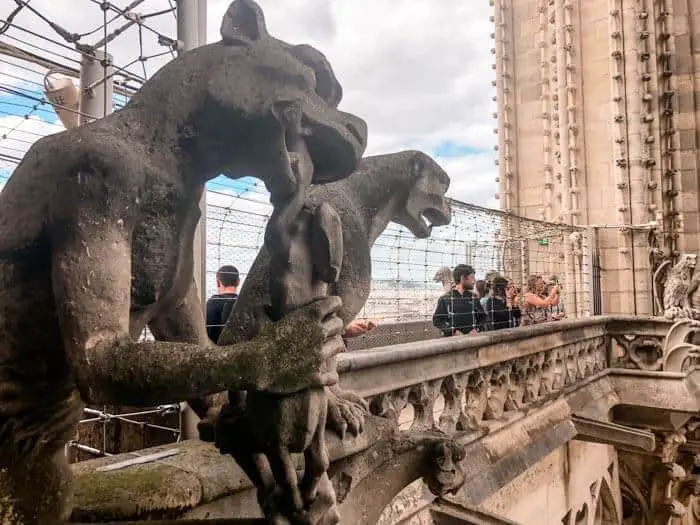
306,250
444,277
694,295
407,188
446,476
676,288
107,214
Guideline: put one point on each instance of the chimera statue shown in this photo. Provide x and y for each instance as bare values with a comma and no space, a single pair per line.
96,242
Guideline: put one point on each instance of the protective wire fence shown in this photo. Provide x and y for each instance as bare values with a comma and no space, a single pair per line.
43,45
408,274
104,432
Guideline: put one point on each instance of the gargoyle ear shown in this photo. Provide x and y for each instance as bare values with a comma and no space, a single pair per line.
243,23
327,85
417,164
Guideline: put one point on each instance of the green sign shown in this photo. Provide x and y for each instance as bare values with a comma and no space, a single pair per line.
544,241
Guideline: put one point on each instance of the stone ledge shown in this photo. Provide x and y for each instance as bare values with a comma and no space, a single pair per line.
168,487
219,521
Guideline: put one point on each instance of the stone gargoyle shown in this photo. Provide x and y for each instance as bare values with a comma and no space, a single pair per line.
677,288
408,188
96,242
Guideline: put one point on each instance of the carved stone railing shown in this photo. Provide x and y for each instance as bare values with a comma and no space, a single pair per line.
509,397
653,343
387,334
480,379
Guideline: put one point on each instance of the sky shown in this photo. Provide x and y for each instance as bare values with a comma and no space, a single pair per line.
418,71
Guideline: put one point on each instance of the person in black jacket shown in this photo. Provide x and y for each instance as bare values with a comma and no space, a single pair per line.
219,305
499,313
458,312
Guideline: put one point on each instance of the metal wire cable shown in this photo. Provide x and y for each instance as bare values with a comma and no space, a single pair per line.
12,15
26,87
124,13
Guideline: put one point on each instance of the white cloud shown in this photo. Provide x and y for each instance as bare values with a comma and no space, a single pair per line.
472,179
418,71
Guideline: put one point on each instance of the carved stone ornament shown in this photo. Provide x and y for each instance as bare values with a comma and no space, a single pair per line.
108,213
487,397
680,353
446,475
646,353
677,288
363,212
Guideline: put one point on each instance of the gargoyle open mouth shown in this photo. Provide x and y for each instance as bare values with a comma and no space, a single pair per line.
427,219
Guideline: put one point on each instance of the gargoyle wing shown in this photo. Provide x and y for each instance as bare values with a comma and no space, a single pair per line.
694,283
659,281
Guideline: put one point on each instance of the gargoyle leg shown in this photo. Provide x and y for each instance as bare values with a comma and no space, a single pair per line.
258,470
346,411
316,460
286,476
324,510
37,490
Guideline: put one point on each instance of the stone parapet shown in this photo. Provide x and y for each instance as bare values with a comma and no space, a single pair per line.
504,400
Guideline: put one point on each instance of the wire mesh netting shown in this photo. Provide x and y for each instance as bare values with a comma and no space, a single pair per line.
408,274
40,39
406,271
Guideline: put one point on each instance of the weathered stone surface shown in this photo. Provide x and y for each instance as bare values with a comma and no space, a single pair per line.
157,490
408,188
203,476
528,448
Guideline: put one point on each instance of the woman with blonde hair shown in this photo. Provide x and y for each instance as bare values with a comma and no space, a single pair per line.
536,304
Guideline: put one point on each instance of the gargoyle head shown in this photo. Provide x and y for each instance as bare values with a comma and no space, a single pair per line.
426,205
446,475
255,77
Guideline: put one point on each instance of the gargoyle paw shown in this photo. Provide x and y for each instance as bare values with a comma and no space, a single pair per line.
346,412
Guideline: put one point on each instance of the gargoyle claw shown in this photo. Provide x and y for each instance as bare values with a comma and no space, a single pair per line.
346,412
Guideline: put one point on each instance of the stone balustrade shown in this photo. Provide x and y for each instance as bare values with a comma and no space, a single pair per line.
479,380
507,397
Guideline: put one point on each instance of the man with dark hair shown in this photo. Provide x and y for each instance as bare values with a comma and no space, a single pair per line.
219,305
459,312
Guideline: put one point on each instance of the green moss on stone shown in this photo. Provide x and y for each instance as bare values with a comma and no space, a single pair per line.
147,491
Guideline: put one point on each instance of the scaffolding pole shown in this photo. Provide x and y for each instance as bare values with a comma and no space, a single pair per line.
191,33
96,86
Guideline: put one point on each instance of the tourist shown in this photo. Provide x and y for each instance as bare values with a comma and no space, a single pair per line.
459,312
482,288
219,305
356,328
499,313
513,303
556,310
536,308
